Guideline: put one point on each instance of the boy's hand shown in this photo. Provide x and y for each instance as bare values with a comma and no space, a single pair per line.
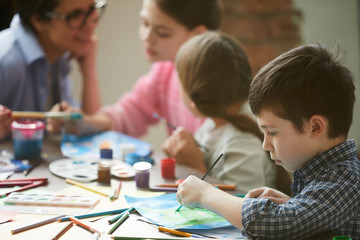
265,192
193,191
181,146
5,122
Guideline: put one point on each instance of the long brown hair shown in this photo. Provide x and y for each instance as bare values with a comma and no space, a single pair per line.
215,73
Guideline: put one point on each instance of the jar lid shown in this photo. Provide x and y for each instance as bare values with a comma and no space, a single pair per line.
142,166
27,125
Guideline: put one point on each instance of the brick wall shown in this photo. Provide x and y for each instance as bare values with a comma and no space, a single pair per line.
266,28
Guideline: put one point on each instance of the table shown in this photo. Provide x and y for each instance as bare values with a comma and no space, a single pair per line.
50,152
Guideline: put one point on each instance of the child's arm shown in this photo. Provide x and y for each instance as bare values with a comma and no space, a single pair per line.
265,192
181,146
5,121
194,192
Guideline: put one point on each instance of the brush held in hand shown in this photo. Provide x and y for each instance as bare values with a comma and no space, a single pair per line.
43,115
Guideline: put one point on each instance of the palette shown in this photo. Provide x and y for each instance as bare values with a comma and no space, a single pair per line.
79,170
122,170
51,200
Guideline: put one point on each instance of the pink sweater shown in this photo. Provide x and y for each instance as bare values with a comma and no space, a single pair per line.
156,92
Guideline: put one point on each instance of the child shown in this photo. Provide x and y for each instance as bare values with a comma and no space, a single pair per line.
165,25
304,102
215,76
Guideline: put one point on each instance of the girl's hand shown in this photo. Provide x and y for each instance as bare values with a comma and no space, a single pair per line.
181,146
5,122
54,125
193,191
265,192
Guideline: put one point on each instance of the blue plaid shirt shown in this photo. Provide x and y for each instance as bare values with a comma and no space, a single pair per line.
326,197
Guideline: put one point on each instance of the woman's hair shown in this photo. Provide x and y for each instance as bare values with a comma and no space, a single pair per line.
215,73
192,13
28,8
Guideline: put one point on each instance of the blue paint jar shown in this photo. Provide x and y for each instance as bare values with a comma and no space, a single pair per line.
27,138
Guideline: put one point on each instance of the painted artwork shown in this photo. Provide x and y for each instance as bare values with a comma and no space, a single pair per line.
88,146
162,211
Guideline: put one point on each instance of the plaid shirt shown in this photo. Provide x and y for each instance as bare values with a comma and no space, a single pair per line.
326,197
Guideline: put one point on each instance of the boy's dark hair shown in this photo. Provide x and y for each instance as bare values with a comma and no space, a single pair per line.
192,13
29,8
306,81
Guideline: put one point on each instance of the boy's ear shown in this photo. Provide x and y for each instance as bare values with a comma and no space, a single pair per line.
37,22
200,29
318,125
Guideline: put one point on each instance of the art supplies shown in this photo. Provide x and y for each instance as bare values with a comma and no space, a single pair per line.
32,166
53,200
63,231
115,191
87,187
84,225
83,170
163,189
95,214
35,225
122,170
13,165
111,221
207,172
43,115
119,222
36,182
6,216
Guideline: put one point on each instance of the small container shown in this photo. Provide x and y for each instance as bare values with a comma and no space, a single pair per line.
126,148
168,167
106,153
27,138
104,172
142,175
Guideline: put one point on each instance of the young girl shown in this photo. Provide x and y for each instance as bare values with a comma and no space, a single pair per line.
165,26
215,77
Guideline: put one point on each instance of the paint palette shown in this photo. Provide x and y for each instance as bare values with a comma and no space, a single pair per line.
51,200
77,169
122,170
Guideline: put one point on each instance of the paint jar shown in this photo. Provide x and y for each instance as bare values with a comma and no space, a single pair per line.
126,148
168,167
104,172
142,175
27,138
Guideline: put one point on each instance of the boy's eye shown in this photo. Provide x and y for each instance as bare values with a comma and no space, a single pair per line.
271,133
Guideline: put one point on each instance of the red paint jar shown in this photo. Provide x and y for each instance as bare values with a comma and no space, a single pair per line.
168,167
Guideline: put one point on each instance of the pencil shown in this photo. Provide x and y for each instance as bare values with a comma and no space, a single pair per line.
163,189
111,221
64,219
207,172
63,231
219,186
15,183
119,222
34,225
84,225
79,184
32,166
175,232
43,115
33,185
118,191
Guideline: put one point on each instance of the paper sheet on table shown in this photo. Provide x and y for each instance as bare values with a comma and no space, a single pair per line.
162,210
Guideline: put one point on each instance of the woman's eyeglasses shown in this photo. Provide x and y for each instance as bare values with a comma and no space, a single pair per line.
77,19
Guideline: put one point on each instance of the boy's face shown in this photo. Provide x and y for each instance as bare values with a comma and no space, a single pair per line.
288,148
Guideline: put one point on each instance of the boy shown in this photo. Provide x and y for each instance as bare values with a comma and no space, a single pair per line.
304,102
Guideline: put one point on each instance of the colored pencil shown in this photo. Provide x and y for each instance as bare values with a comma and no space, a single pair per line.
84,225
33,185
43,115
118,189
63,231
219,186
111,221
79,184
25,179
175,232
207,172
89,215
119,222
15,183
163,189
96,236
34,225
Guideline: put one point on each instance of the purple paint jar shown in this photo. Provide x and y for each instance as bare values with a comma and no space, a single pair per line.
27,138
142,175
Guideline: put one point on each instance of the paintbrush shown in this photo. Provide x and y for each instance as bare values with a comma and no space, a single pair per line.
155,115
43,115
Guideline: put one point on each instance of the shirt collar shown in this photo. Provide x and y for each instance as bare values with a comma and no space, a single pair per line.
341,152
28,42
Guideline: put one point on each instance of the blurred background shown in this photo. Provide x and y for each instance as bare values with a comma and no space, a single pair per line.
265,28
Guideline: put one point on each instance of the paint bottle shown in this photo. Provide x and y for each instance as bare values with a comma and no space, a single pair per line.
168,167
142,175
104,172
